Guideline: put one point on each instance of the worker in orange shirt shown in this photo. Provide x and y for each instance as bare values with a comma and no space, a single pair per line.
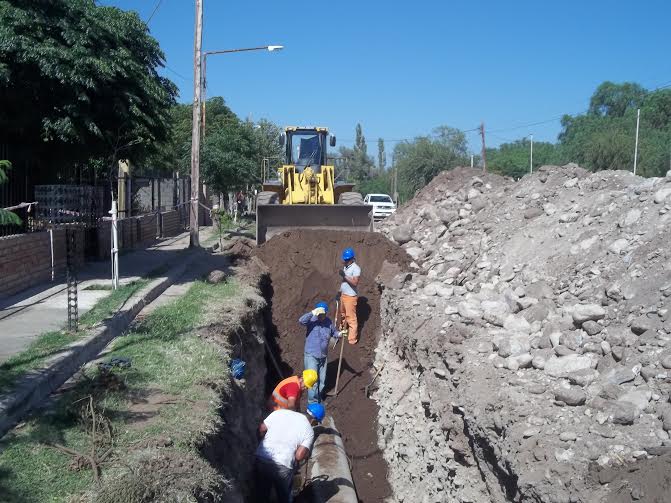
287,393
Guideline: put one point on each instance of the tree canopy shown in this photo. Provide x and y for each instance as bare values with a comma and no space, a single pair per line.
79,81
418,161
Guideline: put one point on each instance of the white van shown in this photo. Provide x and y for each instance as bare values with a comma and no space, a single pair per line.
382,204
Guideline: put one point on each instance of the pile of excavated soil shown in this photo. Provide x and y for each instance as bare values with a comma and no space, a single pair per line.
528,358
303,268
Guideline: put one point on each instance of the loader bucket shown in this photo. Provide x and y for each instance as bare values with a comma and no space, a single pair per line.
273,219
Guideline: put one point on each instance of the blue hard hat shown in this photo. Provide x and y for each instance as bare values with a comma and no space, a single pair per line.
323,305
317,411
347,254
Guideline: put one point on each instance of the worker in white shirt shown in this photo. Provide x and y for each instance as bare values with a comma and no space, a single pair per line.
286,440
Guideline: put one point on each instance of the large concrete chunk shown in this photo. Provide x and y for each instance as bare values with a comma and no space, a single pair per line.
560,366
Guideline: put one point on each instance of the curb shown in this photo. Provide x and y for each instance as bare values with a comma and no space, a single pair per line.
32,389
330,477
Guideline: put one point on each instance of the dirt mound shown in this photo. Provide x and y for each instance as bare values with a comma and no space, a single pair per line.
539,347
303,267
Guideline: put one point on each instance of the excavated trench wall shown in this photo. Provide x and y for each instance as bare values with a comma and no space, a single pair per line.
229,447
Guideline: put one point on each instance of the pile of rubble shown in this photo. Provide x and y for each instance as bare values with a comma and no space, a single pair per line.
526,356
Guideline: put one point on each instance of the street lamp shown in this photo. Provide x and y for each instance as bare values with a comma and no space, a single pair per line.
269,48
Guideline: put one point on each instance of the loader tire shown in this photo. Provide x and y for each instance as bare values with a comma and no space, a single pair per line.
350,199
267,197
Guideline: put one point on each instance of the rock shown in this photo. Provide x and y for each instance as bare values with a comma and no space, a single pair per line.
620,375
513,301
549,209
216,276
605,347
562,350
622,412
639,397
524,360
618,246
399,281
530,432
554,338
570,396
666,419
440,289
513,346
618,353
538,362
485,347
536,388
665,361
584,312
415,252
517,324
448,216
571,340
583,377
512,364
495,312
560,366
567,436
592,327
469,311
642,324
648,373
402,234
662,194
531,213
631,217
537,312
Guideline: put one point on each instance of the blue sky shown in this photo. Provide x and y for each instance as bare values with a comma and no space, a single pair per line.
402,68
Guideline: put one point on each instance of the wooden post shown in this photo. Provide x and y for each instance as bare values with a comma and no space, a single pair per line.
196,126
484,154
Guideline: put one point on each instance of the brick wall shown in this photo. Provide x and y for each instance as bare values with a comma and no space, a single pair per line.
25,259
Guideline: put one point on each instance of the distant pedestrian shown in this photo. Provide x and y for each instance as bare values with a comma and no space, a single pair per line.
286,440
320,330
350,274
287,394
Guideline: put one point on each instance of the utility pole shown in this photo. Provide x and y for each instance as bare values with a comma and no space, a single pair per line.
196,127
531,155
484,156
638,121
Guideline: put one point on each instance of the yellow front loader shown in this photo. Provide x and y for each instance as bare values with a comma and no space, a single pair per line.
305,192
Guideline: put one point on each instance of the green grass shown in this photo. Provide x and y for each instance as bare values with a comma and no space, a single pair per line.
51,343
116,300
167,357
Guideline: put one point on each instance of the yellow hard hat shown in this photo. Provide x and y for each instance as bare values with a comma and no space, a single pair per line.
310,377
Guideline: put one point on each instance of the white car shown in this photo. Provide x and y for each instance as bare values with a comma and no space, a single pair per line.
382,204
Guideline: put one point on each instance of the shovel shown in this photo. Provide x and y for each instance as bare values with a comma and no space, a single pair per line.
342,347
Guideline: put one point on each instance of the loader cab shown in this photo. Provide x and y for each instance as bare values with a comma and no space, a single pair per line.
306,147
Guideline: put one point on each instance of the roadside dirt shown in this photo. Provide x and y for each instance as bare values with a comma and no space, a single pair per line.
303,267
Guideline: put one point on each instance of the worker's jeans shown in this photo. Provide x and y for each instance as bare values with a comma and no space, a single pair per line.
348,313
318,364
268,475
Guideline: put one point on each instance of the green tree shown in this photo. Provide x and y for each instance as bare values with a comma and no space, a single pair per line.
420,160
613,100
381,156
361,164
512,159
79,81
7,217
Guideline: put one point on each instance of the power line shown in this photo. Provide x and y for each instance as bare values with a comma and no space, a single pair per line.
177,73
158,4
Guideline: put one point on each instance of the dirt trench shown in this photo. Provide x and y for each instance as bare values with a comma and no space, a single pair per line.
303,269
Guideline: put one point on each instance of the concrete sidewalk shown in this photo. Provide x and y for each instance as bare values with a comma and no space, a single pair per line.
28,314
